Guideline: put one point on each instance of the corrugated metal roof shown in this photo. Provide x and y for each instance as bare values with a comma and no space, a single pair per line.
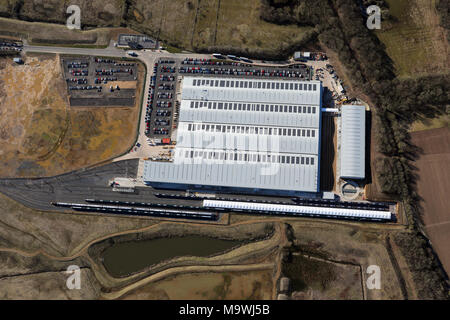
353,138
286,115
322,211
244,137
252,90
249,137
238,174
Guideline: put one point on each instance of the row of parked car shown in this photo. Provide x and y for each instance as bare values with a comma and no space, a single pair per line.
98,88
166,78
168,69
209,62
149,109
110,72
77,65
105,79
11,44
77,73
166,92
243,72
77,80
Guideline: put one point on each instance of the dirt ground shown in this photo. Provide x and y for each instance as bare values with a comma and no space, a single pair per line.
433,185
57,234
35,246
255,285
349,245
344,282
40,135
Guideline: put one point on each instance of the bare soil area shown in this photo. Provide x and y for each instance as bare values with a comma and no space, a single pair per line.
433,185
40,135
255,285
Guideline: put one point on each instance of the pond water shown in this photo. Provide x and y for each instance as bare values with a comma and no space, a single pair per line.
124,258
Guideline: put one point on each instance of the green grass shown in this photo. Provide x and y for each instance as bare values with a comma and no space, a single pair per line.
427,124
409,42
74,45
173,49
237,24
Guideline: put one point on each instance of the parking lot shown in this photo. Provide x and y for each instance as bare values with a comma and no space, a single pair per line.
10,46
162,107
228,68
94,81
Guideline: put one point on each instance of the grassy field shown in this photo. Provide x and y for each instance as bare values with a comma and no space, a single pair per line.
64,235
93,12
413,38
59,234
239,25
255,285
41,135
208,23
40,33
191,25
172,21
442,121
346,244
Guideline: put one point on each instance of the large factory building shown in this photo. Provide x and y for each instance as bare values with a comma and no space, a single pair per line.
245,135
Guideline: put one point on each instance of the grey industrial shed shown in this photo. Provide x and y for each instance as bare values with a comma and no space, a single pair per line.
245,133
353,142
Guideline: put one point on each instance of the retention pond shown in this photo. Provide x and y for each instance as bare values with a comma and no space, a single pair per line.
125,258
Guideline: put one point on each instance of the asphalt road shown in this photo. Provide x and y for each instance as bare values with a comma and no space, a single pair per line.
77,186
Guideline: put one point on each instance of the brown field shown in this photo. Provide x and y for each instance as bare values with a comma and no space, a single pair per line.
39,33
42,243
202,24
433,186
94,12
41,135
347,244
255,285
326,280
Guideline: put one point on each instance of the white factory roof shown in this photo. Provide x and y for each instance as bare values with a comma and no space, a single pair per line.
297,173
248,137
275,91
308,210
353,139
268,114
241,133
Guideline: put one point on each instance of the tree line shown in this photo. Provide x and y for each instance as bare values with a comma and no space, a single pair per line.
340,27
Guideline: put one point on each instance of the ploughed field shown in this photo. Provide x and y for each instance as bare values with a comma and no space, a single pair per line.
433,185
